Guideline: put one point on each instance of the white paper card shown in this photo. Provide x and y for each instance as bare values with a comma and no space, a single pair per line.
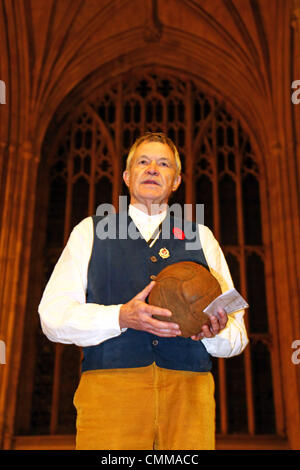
230,301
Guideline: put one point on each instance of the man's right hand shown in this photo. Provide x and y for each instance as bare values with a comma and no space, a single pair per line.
137,314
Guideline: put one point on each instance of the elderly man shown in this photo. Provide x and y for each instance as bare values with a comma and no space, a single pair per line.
143,386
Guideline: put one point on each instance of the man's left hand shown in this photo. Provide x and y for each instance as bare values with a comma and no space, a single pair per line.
216,324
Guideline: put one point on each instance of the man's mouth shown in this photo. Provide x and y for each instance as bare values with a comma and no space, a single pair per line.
151,182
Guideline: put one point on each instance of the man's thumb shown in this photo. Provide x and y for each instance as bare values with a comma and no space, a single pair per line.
145,292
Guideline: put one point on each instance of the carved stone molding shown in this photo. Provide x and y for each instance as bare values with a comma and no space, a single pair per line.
238,51
153,26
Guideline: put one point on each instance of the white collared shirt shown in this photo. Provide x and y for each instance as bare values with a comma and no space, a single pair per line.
67,318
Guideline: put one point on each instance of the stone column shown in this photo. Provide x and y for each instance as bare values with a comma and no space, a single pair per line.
282,241
15,248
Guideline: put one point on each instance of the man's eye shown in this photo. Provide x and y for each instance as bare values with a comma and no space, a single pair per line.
142,162
165,164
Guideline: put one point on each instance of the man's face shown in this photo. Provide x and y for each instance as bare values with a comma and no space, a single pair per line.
152,174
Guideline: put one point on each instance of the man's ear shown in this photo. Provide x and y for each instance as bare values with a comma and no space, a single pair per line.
176,183
126,177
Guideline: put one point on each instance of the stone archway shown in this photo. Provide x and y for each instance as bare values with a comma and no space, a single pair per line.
84,164
236,52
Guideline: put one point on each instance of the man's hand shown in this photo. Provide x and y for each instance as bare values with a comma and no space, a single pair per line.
212,328
137,314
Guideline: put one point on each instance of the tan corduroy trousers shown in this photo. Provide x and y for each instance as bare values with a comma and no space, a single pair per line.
145,408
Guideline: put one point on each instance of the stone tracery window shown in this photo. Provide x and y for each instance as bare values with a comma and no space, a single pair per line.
85,162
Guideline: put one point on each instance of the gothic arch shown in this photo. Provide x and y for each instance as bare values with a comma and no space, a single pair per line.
240,96
159,99
245,52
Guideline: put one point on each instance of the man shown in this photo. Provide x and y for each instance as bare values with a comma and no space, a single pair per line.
143,386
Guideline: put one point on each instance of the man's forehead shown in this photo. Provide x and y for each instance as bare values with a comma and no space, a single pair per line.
156,149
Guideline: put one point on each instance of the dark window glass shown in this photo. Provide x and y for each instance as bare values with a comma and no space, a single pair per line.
251,211
56,212
204,196
236,395
103,191
257,314
42,386
80,201
228,211
234,267
262,389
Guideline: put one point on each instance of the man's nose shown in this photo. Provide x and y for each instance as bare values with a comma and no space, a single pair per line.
152,168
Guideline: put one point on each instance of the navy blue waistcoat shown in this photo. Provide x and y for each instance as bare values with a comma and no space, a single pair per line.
119,268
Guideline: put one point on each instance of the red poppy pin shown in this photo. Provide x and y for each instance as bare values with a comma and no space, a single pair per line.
178,233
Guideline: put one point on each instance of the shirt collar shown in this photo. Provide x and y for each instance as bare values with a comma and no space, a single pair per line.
146,223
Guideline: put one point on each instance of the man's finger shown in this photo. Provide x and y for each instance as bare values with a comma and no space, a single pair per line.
153,310
160,325
197,337
145,292
223,318
215,325
206,331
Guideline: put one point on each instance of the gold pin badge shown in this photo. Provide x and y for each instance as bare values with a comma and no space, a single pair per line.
164,253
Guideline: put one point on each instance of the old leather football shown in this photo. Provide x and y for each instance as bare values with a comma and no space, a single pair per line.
186,289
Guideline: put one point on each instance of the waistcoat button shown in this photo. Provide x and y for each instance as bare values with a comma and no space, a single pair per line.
153,259
155,342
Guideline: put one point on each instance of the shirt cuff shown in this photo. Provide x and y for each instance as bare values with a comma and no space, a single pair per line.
118,320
